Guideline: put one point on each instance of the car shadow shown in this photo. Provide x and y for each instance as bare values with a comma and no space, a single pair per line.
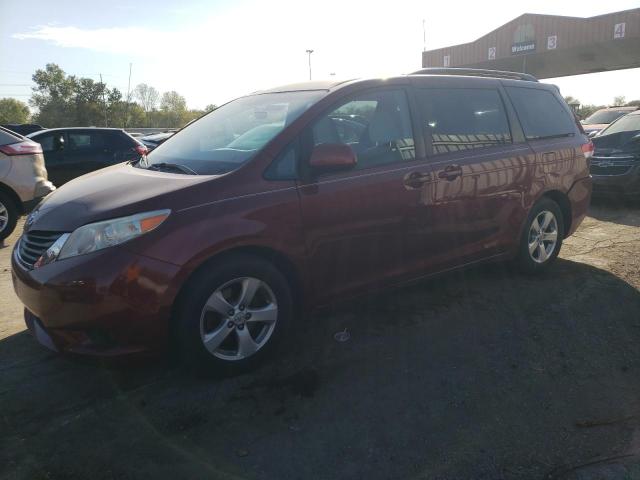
621,210
484,373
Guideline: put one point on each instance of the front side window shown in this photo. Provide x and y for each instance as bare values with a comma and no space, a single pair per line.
232,134
377,126
541,113
463,118
51,142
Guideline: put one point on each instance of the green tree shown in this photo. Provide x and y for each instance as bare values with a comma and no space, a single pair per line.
619,101
13,111
210,108
147,97
174,107
633,103
53,96
65,100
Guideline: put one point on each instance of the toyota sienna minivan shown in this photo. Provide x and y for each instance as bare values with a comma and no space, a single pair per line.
297,197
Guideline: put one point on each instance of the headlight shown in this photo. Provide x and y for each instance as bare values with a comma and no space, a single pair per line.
96,236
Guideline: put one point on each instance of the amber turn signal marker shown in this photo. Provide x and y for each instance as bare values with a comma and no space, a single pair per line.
148,224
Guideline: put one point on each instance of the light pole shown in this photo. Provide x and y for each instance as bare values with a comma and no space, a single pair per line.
309,52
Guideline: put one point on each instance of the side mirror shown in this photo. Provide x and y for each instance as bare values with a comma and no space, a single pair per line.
332,156
636,138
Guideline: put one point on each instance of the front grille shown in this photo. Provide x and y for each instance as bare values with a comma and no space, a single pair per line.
33,244
609,169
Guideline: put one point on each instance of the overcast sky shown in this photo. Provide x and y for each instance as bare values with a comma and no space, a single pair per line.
212,51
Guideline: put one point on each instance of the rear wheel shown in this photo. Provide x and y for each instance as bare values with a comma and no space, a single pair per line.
8,216
235,315
542,236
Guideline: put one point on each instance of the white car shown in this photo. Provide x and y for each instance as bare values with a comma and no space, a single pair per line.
23,178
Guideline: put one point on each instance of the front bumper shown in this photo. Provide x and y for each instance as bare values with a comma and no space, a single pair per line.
616,176
106,303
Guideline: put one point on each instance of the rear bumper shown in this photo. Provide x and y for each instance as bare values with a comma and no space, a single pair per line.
108,303
42,189
579,198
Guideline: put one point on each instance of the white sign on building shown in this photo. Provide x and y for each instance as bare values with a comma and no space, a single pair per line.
618,30
552,42
492,53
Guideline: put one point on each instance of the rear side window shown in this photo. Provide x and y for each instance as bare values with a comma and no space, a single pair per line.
79,141
541,113
50,142
463,118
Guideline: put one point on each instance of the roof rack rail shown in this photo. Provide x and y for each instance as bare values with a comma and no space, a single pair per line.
476,72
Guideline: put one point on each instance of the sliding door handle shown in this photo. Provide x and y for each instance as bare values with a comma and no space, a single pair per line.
416,179
450,172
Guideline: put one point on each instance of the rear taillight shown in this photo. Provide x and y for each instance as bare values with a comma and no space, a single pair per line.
26,147
141,149
587,149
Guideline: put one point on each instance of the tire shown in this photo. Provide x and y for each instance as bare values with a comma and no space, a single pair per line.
537,251
212,312
8,216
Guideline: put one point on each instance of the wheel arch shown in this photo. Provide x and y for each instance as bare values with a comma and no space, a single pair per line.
278,259
565,207
4,188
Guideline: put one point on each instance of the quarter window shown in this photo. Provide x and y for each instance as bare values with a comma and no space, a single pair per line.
464,118
541,113
377,125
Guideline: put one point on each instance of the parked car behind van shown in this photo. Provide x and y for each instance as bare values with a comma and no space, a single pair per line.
272,204
599,120
23,179
72,152
616,162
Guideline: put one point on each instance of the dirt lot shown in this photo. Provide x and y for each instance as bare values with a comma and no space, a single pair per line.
485,374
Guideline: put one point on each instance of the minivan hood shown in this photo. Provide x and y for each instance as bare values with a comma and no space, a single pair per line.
109,193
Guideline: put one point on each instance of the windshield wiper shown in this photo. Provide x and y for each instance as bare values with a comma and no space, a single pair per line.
172,167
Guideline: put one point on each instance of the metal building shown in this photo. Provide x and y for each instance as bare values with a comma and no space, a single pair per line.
550,46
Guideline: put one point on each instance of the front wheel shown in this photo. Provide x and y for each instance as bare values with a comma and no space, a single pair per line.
542,237
236,313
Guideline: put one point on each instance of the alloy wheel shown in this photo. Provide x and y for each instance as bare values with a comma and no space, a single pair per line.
543,236
238,318
4,217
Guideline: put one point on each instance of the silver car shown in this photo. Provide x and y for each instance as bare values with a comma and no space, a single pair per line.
23,178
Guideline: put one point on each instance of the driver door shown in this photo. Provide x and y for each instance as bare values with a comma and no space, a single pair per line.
355,221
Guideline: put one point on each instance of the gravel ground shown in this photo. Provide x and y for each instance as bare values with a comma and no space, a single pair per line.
483,374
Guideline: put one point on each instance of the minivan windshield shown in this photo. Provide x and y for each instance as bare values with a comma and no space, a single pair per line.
230,135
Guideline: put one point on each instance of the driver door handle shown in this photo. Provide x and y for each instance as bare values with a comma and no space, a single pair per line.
450,172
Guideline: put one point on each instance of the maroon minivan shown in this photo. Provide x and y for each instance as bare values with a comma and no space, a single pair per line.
295,197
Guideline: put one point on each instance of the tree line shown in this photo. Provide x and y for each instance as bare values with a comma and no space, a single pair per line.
62,100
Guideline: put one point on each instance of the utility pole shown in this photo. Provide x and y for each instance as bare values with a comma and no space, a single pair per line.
126,110
309,52
424,35
104,102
